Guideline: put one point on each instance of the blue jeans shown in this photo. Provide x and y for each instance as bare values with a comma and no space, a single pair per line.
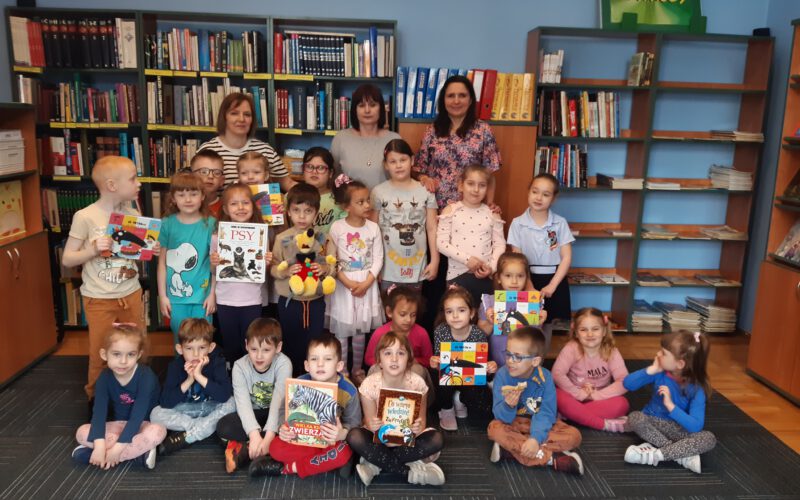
198,420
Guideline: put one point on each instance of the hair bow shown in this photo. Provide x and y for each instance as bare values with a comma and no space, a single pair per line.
697,337
391,288
605,319
452,286
341,180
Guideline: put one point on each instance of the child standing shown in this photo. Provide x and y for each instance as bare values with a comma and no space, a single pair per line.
252,168
545,239
185,282
672,422
208,165
455,324
395,359
356,242
402,306
318,172
130,390
589,372
524,397
471,235
197,391
406,213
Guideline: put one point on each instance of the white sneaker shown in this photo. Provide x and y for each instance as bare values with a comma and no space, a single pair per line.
459,407
644,454
494,456
447,420
150,459
367,471
421,473
692,463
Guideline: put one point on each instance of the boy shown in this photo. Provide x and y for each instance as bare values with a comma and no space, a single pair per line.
303,316
197,391
323,364
259,380
110,290
208,165
524,407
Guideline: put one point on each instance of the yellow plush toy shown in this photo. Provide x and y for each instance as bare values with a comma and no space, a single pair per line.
306,282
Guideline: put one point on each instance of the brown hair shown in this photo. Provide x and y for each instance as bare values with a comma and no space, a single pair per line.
192,329
364,93
343,193
326,340
264,330
403,293
227,194
477,167
455,291
550,177
253,156
441,124
607,345
387,340
533,335
232,101
185,181
692,349
507,258
397,146
327,158
209,154
302,193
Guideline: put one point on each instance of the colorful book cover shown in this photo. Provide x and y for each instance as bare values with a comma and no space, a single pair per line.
398,410
12,217
309,404
463,363
513,309
269,201
133,236
242,247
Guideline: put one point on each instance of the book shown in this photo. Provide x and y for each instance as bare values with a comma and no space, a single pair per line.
583,278
619,232
463,363
657,232
612,278
133,236
309,404
724,177
513,309
12,215
789,248
619,183
724,233
650,279
717,280
269,201
681,281
398,409
242,247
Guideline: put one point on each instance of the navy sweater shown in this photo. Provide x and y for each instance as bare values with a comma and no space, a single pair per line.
217,389
131,403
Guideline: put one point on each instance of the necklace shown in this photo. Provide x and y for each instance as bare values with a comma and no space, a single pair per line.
372,147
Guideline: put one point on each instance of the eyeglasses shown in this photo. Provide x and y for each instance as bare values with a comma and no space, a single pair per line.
315,168
206,171
516,358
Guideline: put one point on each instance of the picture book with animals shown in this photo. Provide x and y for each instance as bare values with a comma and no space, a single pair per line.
133,236
398,410
463,363
513,309
310,404
12,217
242,247
268,199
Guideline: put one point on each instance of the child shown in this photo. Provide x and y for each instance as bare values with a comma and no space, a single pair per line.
394,356
323,364
471,235
185,282
402,306
197,391
301,317
130,390
524,397
110,290
238,303
356,242
545,239
259,380
318,172
208,165
672,422
588,374
406,213
455,324
252,169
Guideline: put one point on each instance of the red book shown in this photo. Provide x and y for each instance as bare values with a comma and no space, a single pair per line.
278,53
487,94
573,118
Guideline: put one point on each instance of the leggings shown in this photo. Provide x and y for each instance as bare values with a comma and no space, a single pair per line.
233,324
149,436
590,413
230,426
667,435
394,459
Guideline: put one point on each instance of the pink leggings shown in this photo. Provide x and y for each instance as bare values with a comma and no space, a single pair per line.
148,437
590,413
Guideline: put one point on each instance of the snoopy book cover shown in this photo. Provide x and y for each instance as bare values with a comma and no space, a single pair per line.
242,249
269,201
463,363
398,410
513,309
309,404
133,236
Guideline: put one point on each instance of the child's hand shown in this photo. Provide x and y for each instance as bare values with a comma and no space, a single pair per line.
315,267
474,263
157,249
483,272
189,368
530,448
548,291
213,257
434,362
360,289
542,315
490,315
430,271
112,455
374,424
197,370
210,304
263,447
655,367
254,444
512,397
331,433
165,306
98,457
285,433
416,427
268,258
664,392
491,367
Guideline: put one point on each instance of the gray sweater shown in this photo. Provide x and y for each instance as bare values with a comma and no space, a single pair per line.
257,391
359,157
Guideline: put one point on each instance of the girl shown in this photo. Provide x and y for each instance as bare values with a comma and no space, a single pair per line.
185,283
131,391
252,168
406,213
588,374
545,239
470,235
318,171
455,324
402,306
238,303
393,353
356,242
673,419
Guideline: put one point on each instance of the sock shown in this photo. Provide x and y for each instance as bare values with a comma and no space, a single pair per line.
344,342
359,340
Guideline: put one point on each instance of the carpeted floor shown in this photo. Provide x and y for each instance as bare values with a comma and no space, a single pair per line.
40,412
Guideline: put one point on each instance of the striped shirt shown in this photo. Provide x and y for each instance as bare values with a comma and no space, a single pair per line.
230,156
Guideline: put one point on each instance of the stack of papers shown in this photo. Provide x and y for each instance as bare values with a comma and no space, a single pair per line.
714,318
678,317
723,177
737,135
657,232
645,318
724,233
620,182
667,186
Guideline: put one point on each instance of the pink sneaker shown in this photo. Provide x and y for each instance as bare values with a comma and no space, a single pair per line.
616,424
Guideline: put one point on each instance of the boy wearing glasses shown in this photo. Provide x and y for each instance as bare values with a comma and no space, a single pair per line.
524,407
208,165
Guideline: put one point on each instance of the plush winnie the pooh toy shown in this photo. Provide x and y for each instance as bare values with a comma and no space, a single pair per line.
307,251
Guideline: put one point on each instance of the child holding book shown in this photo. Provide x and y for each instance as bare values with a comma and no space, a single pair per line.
318,172
208,165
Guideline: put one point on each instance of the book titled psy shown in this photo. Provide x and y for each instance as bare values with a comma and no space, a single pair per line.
513,309
242,248
309,405
269,202
398,409
133,236
463,363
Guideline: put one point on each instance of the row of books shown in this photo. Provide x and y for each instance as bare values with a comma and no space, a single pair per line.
550,66
321,110
334,54
583,278
724,233
567,162
640,69
737,136
729,178
74,43
12,151
574,114
169,154
77,102
60,205
654,280
68,155
185,50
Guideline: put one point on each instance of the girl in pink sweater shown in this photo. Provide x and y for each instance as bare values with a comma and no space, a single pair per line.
588,374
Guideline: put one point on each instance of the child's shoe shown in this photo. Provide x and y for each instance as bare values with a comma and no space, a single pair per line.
496,453
692,463
265,466
235,456
568,461
346,470
421,473
459,407
367,471
447,420
81,454
173,442
147,459
616,424
645,454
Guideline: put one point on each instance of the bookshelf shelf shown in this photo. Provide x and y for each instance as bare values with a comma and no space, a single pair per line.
694,136
501,123
576,140
787,207
580,276
701,87
89,125
54,69
17,175
592,84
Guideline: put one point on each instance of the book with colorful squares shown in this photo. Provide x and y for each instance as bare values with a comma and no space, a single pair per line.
463,363
268,199
133,236
513,309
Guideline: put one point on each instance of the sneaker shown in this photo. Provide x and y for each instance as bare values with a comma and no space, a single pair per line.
174,441
447,420
421,473
568,462
265,466
367,471
459,407
146,459
692,463
616,424
644,454
235,456
495,454
81,454
346,470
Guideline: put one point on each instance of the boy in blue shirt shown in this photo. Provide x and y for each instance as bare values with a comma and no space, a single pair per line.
524,407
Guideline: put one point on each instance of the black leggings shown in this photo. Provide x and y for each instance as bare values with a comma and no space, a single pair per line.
230,426
394,459
476,397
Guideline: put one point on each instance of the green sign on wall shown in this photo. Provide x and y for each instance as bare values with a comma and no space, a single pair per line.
652,15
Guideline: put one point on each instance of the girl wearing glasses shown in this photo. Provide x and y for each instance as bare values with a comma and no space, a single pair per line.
318,171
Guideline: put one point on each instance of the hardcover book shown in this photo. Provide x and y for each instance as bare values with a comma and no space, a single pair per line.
269,201
650,279
133,236
513,309
463,363
398,410
242,247
309,405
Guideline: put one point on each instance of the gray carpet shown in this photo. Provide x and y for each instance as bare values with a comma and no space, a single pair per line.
40,412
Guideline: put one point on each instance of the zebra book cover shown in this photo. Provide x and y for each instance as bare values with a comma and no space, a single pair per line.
309,404
242,248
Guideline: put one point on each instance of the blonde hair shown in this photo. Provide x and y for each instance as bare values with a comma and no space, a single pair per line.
253,156
108,167
126,331
607,344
